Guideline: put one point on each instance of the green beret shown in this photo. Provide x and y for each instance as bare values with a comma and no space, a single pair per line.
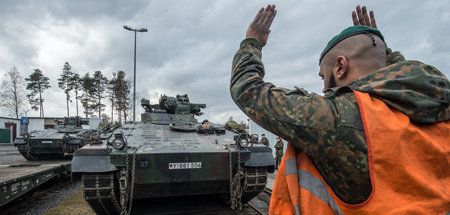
205,121
348,32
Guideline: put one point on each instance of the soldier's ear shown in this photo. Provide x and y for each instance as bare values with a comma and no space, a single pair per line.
341,67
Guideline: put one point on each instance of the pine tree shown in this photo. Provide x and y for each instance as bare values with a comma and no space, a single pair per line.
75,85
37,83
100,86
127,109
111,95
63,83
121,89
105,121
87,87
13,94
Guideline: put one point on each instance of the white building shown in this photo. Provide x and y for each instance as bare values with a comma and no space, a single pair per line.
8,129
41,123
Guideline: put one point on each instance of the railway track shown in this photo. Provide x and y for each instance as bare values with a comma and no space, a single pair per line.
38,193
258,209
22,181
201,205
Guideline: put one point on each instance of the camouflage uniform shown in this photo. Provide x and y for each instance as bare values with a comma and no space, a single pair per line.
265,141
329,128
279,153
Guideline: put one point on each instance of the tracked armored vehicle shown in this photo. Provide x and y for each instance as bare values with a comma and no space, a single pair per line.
169,154
55,143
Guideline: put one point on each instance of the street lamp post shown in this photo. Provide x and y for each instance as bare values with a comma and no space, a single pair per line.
134,78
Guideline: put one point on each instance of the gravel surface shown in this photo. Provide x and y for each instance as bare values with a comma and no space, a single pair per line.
53,199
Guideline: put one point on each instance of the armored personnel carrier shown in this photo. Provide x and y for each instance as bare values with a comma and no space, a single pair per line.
169,154
55,143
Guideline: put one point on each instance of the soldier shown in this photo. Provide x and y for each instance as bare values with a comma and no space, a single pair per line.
254,139
205,128
264,140
383,120
205,124
279,152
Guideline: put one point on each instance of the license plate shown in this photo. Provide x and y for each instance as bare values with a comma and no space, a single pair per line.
46,141
186,165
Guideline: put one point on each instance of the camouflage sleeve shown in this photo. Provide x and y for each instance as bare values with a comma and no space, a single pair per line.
308,121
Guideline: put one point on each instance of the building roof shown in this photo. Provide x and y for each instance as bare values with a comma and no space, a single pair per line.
9,118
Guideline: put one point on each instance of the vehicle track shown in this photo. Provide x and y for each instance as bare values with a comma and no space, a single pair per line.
202,205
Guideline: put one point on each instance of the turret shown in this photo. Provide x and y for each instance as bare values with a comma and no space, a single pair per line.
171,109
72,124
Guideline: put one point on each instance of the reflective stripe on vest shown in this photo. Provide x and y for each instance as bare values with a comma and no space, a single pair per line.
312,184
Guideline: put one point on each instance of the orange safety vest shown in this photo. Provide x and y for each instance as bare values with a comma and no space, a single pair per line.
409,168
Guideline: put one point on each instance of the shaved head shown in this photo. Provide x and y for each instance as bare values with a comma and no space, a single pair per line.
351,59
360,50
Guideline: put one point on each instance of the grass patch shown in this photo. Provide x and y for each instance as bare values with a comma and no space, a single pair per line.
74,204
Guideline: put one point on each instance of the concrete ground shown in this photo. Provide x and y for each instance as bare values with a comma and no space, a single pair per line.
9,154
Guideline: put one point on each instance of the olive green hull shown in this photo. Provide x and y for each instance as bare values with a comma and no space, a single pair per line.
169,154
41,149
153,173
37,149
181,189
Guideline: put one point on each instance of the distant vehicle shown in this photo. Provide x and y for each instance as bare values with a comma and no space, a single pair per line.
168,154
55,143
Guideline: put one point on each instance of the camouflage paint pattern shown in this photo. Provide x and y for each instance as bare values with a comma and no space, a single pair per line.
329,128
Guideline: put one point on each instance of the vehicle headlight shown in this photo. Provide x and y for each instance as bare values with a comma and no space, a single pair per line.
118,143
243,142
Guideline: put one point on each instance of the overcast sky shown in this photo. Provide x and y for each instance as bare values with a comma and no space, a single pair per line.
190,44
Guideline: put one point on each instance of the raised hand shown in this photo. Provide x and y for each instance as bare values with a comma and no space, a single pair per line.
260,27
362,18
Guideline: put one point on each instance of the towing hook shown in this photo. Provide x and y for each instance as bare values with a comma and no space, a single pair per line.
123,182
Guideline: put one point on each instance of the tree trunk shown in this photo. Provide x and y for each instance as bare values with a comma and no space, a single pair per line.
41,108
112,110
67,97
76,100
16,102
86,111
119,113
99,105
67,102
